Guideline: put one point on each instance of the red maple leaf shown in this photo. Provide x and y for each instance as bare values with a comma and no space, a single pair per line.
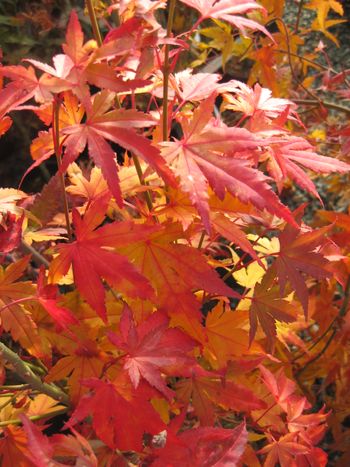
47,295
206,156
286,157
150,347
227,10
92,259
203,447
10,232
121,414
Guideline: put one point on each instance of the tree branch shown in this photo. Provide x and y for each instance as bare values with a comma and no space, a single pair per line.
23,370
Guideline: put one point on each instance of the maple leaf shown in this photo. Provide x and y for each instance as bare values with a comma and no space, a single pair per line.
40,449
285,157
47,297
298,253
254,101
279,386
91,260
229,230
8,200
227,10
150,347
195,87
25,84
78,65
284,451
74,446
9,99
267,306
227,336
174,269
204,157
116,126
208,391
10,233
14,318
14,448
89,188
70,113
121,415
203,447
86,361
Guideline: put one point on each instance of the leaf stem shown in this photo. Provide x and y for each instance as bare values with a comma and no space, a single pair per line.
24,371
58,150
166,70
94,23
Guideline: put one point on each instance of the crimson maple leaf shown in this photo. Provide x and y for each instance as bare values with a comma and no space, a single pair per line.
121,414
92,259
203,447
40,449
150,347
207,155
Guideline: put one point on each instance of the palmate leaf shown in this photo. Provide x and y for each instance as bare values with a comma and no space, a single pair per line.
150,347
207,392
203,447
91,260
175,270
121,414
228,10
298,254
86,361
267,306
286,157
14,448
207,155
117,126
14,318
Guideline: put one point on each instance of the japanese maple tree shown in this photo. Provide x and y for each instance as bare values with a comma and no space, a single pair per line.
163,302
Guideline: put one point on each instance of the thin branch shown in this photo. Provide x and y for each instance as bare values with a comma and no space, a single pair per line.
39,258
33,418
296,79
24,371
166,70
201,240
94,23
142,181
319,355
329,105
341,313
297,22
58,150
